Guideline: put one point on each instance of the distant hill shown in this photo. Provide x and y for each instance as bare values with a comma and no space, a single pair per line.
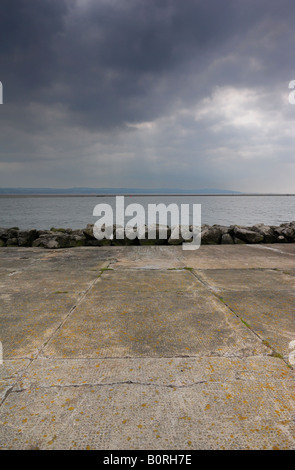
106,191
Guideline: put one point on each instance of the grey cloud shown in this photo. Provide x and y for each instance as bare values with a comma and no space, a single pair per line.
76,74
113,62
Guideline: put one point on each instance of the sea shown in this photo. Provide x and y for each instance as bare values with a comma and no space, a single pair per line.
44,212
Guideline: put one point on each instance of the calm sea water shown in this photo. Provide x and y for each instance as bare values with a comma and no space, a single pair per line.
76,212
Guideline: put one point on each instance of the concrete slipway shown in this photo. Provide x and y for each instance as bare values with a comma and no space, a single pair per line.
148,348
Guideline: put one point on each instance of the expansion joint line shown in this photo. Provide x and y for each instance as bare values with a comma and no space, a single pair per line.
73,308
274,353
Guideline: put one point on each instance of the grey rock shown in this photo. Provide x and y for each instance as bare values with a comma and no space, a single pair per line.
6,233
222,228
226,239
3,236
26,237
282,239
269,235
78,232
247,235
279,233
53,240
211,235
77,240
238,241
3,233
12,241
288,231
163,235
43,242
88,232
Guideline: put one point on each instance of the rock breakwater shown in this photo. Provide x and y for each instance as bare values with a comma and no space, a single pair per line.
210,235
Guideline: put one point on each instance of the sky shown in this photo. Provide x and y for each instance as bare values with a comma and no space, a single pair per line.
184,94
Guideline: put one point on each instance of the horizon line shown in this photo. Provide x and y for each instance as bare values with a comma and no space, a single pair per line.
3,195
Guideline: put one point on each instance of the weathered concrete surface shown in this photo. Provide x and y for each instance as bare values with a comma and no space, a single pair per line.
147,348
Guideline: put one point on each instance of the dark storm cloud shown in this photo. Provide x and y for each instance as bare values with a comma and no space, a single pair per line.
27,45
112,62
200,81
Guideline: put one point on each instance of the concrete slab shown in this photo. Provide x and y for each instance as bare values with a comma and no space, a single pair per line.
187,404
247,279
150,314
147,348
264,299
270,315
149,257
237,257
38,290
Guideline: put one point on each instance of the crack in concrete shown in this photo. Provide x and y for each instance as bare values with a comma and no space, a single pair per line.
109,384
7,393
183,356
173,386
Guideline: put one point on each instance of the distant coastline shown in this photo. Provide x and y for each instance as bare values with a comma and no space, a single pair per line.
93,192
128,192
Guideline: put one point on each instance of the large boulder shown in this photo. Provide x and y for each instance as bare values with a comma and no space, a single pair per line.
26,237
288,231
212,235
247,235
4,234
13,241
48,239
77,240
226,239
269,235
88,232
238,241
9,233
280,235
